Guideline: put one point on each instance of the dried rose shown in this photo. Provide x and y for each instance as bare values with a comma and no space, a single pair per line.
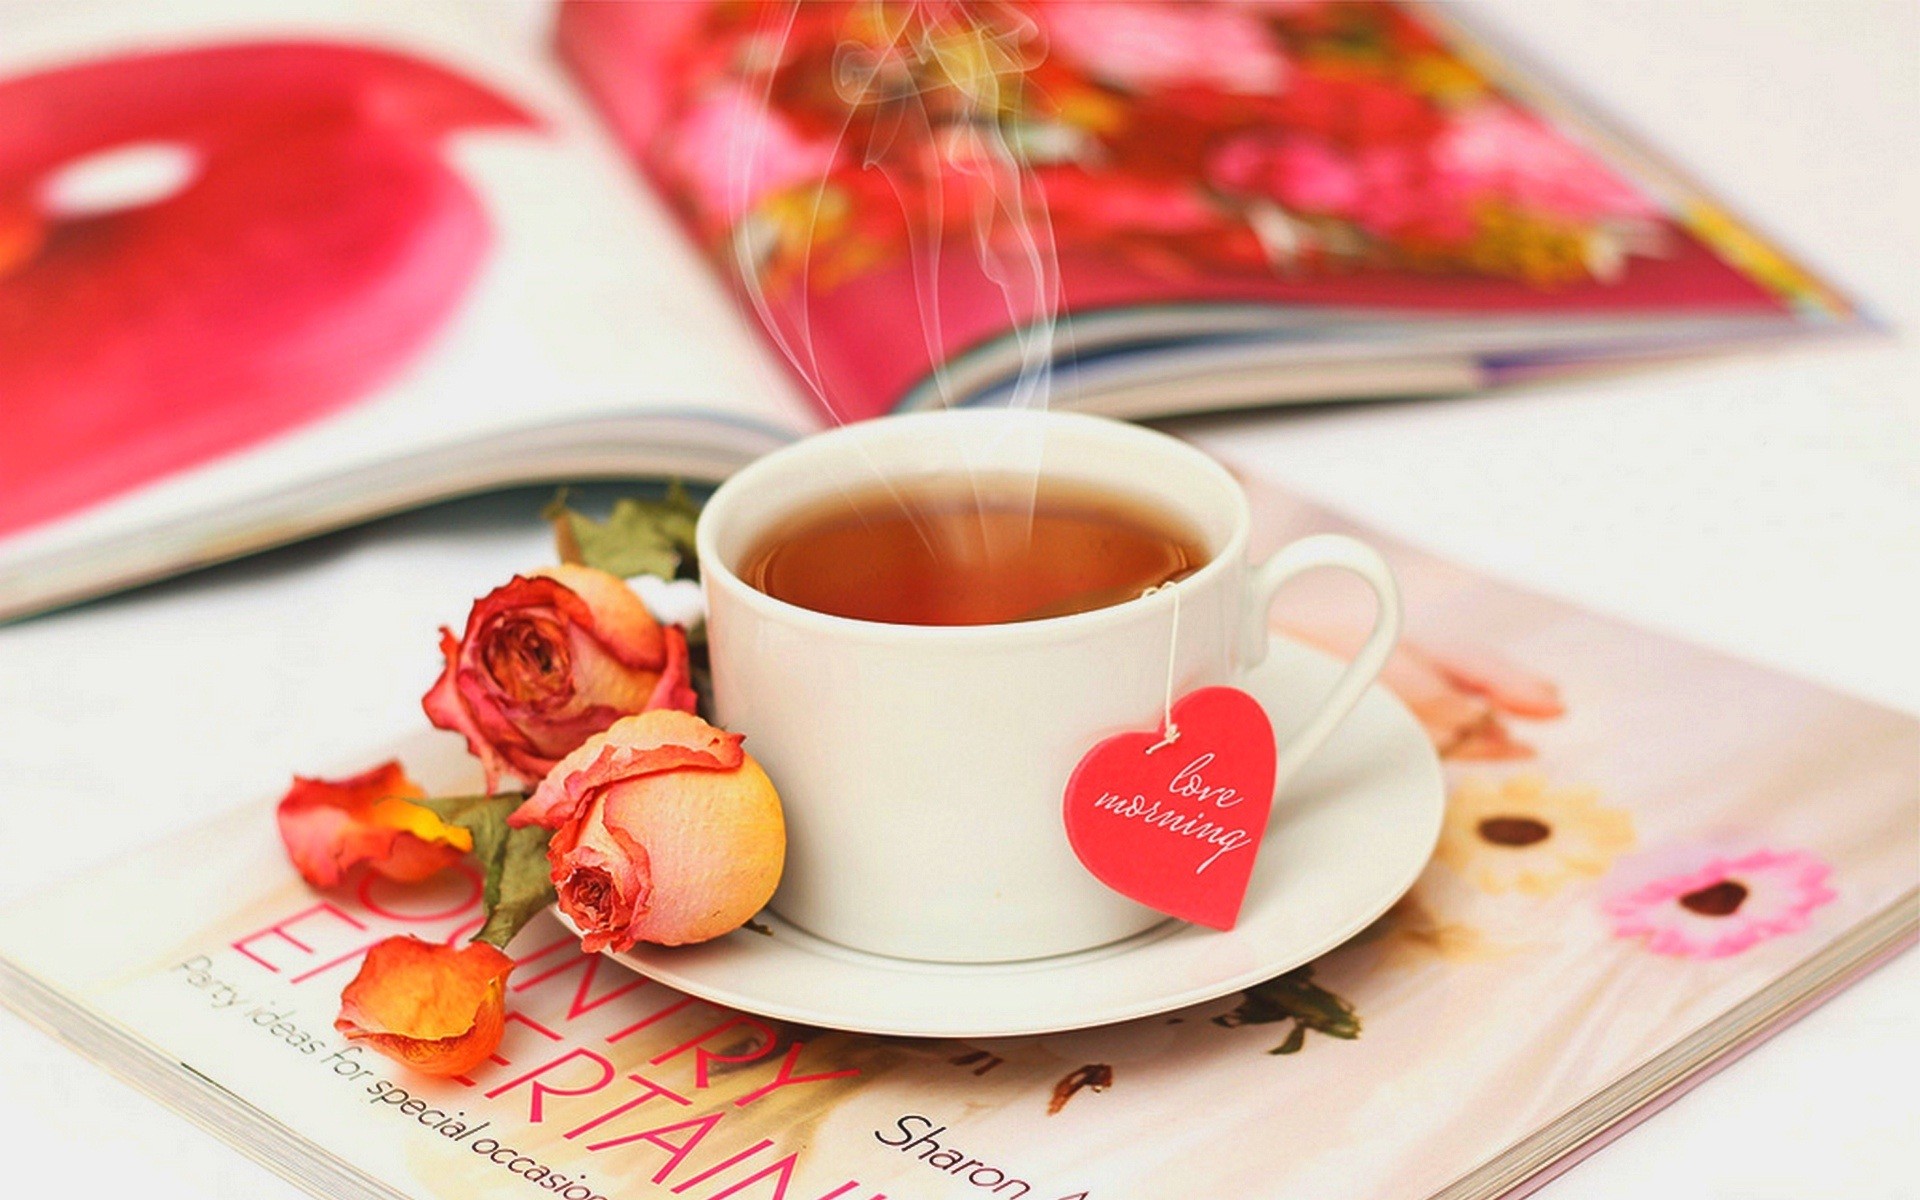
330,826
434,1008
549,660
664,831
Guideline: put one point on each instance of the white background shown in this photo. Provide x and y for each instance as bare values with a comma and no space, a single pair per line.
1766,507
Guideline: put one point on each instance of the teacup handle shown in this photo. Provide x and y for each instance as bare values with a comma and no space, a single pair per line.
1309,553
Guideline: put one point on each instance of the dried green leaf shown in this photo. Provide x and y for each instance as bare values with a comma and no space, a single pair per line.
1296,1038
1321,1011
639,537
518,886
1294,997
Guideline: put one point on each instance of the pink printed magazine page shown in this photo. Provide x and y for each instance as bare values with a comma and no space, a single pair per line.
895,189
1651,854
248,247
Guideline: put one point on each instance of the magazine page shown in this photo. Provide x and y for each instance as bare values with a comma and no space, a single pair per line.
1641,837
912,196
248,245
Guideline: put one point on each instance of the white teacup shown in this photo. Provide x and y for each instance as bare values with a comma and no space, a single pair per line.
922,768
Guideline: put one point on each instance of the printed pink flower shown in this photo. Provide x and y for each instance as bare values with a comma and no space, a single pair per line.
1389,190
1140,46
1724,906
730,151
1305,174
1499,152
1401,196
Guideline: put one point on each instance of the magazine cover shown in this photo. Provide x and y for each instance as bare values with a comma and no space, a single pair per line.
1651,854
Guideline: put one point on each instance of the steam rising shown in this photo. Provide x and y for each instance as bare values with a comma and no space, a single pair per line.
935,87
933,92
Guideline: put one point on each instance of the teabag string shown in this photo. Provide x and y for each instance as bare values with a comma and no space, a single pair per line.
1169,732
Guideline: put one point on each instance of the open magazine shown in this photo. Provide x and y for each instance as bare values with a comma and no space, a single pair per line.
268,269
1637,878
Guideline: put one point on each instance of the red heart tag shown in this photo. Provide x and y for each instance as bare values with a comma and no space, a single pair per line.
1176,825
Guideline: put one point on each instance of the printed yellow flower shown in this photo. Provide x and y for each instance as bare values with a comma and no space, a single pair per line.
1522,836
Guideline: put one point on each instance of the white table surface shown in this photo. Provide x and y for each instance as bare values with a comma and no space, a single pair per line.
1765,507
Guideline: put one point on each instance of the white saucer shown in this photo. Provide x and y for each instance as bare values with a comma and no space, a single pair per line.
1348,837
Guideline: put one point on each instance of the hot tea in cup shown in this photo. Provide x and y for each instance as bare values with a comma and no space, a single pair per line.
946,550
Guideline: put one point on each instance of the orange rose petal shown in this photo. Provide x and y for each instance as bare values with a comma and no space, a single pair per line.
434,1008
602,879
675,689
619,618
398,814
331,826
664,739
445,710
467,701
423,844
